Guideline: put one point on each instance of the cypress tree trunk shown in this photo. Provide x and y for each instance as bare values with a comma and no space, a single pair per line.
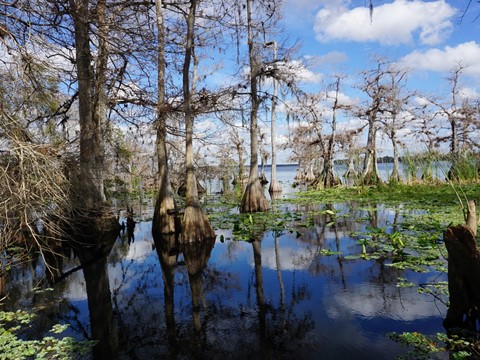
329,177
463,274
370,169
163,222
275,187
92,105
196,225
254,198
396,166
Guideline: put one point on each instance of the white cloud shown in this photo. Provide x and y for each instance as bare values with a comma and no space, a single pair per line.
392,24
297,71
469,93
443,60
343,99
420,101
373,301
304,74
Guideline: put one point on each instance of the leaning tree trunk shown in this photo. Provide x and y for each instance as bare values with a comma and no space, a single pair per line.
254,198
196,226
463,273
163,221
91,105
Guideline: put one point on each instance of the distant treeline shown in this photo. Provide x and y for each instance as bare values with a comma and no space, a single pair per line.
389,159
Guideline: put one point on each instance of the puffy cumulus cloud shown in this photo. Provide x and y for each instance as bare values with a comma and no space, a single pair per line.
469,93
420,101
296,70
392,24
308,76
343,99
442,60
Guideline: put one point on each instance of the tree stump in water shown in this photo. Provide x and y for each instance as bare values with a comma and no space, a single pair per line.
463,274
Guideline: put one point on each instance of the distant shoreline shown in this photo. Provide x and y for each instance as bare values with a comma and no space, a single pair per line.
278,165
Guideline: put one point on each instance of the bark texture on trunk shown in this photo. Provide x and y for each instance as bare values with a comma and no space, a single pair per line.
275,187
254,198
92,104
163,221
195,226
463,274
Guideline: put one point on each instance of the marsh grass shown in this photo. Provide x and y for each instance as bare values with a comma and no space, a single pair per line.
409,163
465,168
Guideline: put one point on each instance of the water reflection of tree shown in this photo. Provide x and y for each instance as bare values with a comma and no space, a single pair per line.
279,273
196,256
92,247
167,250
278,332
332,226
326,224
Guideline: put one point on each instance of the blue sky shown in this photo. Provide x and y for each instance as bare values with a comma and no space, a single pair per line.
427,37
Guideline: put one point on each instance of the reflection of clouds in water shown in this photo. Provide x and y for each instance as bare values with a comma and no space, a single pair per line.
138,252
139,249
142,246
370,301
289,259
76,287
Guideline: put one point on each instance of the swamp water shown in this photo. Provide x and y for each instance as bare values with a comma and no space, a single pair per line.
292,294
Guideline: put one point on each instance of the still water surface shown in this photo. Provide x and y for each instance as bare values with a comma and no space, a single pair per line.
277,297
